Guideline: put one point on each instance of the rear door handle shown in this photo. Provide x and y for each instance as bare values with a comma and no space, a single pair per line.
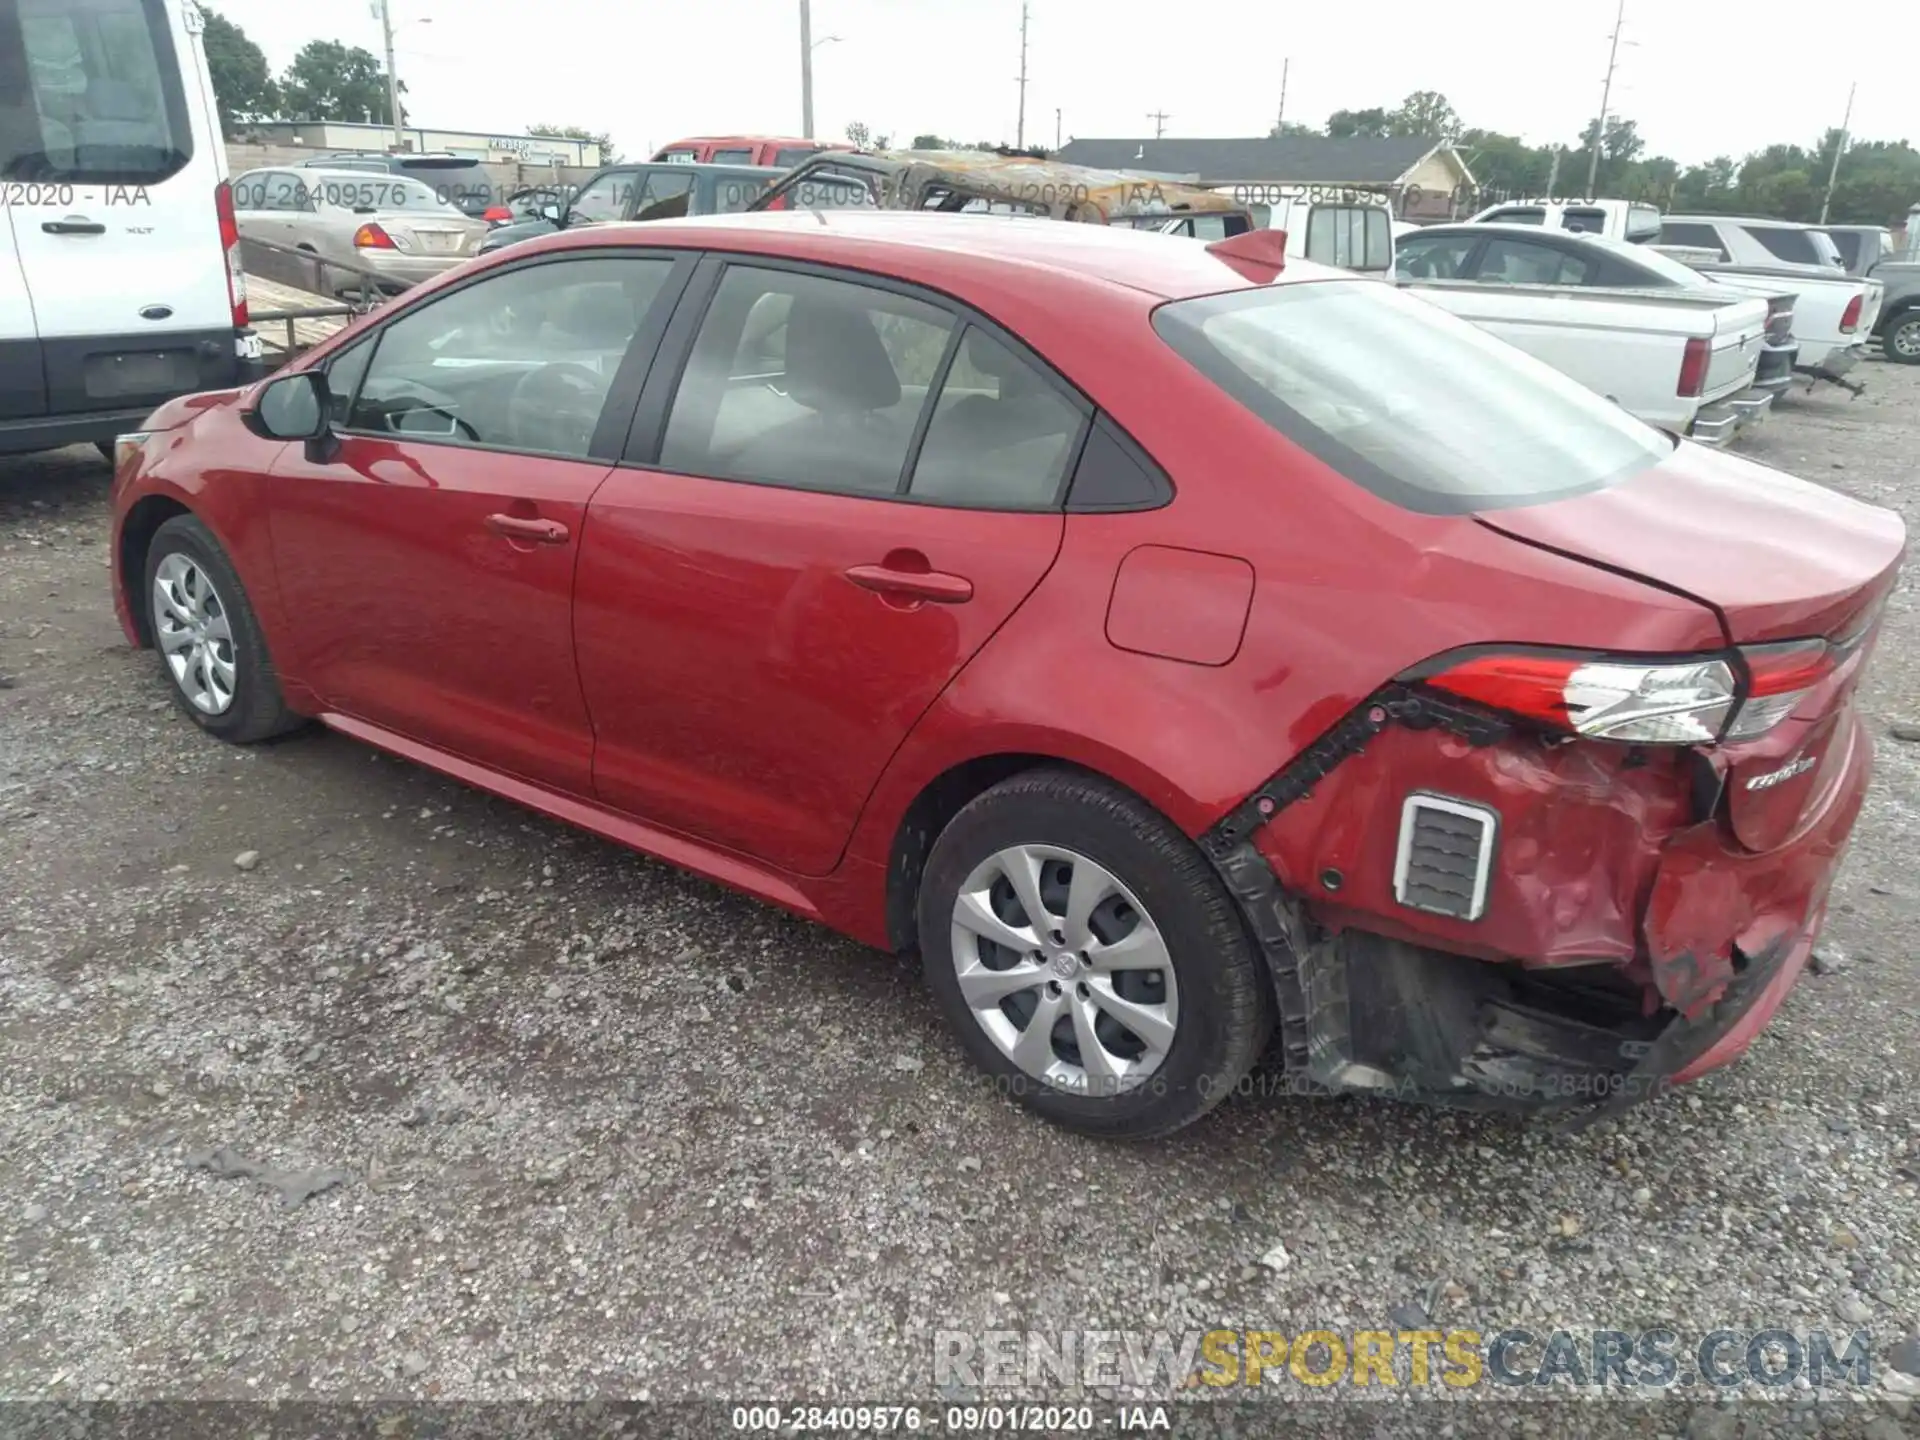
913,584
73,227
519,527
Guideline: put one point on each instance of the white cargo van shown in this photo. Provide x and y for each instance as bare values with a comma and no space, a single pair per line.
120,280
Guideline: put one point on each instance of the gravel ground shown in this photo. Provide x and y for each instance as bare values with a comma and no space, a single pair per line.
430,1097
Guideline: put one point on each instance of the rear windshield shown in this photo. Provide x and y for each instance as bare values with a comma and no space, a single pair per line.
1421,408
90,93
379,192
1354,237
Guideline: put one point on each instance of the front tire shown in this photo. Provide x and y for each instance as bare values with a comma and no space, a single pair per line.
1133,1001
211,650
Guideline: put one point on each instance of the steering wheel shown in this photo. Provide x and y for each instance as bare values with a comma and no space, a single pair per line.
556,407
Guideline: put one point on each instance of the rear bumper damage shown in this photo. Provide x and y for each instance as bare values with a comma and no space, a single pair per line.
1720,938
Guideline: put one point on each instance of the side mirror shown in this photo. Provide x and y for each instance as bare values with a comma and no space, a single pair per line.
550,213
297,407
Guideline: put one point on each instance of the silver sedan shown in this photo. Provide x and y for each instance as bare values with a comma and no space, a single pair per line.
399,228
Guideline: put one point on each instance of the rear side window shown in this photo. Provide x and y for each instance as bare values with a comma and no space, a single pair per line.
90,93
732,157
1796,247
1354,237
793,156
1421,408
1695,237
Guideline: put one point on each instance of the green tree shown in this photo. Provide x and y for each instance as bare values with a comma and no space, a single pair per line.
1424,113
1374,124
933,142
331,81
1290,127
243,87
859,135
609,152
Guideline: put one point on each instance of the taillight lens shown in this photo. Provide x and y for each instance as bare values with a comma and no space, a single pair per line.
1684,701
1693,368
497,215
230,242
372,237
1850,320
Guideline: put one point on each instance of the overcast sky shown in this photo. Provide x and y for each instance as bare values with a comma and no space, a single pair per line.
1701,79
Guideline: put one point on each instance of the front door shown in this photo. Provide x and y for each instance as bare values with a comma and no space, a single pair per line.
428,559
854,489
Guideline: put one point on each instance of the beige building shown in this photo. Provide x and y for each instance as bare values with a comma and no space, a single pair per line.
1425,179
321,137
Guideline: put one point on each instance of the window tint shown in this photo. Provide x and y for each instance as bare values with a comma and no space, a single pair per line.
1354,237
665,197
1002,434
90,93
1520,262
1437,257
604,199
732,157
799,380
1693,236
1419,406
1796,247
521,361
344,374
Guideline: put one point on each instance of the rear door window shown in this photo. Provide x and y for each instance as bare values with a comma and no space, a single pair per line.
741,156
604,199
665,196
1416,405
1434,257
1522,262
1354,237
1796,247
792,156
91,93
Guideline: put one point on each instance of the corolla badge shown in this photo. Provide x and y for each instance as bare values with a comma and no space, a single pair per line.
1782,775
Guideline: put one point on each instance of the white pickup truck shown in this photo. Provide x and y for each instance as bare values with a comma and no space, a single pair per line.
1833,312
1683,361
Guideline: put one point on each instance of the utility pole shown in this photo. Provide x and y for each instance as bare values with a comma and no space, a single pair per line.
1159,118
1280,120
1833,175
1056,127
1020,125
1606,97
393,79
1553,172
806,70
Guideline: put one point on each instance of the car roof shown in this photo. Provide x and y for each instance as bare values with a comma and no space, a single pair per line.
958,252
1742,220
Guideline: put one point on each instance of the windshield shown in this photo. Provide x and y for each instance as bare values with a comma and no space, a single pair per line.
380,192
1421,408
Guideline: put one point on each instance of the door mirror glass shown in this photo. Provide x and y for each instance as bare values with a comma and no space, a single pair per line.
551,212
294,407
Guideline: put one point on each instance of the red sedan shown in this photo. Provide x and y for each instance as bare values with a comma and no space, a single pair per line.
1180,652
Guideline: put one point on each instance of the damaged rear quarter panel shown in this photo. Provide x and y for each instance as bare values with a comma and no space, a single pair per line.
1582,830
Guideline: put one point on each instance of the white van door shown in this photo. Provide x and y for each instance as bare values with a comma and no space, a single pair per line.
23,385
111,153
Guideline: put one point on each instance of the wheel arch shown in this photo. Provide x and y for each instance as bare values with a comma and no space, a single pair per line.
137,530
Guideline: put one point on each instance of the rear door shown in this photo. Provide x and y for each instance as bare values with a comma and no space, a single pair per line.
792,566
23,382
110,145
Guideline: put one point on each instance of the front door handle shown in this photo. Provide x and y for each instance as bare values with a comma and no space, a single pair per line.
913,584
73,227
520,527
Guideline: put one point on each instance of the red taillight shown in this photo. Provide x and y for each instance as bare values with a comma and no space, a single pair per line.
1678,700
230,243
1850,320
496,215
1693,368
372,237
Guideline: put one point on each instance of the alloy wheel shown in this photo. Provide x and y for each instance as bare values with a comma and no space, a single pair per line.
1065,970
1904,340
191,627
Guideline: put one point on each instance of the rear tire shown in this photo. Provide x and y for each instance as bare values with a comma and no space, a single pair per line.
1901,339
1156,1004
211,650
